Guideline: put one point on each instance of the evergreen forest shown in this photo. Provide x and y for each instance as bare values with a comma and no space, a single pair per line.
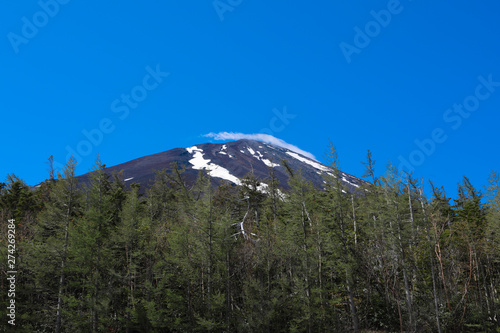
179,257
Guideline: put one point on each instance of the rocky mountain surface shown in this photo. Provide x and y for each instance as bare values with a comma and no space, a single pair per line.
228,161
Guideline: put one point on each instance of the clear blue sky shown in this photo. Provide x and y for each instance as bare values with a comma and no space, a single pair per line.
68,67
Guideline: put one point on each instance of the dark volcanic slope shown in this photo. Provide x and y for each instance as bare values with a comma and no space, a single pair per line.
228,161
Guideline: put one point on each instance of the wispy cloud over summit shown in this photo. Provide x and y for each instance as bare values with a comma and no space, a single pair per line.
259,137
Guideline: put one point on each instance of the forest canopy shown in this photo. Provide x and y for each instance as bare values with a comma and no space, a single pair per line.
178,257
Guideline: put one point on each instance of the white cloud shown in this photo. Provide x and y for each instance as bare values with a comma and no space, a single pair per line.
259,137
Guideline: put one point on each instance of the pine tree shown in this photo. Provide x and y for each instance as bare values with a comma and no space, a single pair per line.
130,250
59,215
471,227
493,214
341,232
164,286
493,238
431,244
91,255
399,233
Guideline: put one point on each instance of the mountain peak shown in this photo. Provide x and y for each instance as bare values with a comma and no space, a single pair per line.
230,162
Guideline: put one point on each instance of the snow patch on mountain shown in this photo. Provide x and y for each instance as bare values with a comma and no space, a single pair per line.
222,150
263,187
308,161
348,181
200,163
269,163
220,172
258,155
251,151
197,161
192,149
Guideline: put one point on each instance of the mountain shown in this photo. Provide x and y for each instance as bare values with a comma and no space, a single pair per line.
228,161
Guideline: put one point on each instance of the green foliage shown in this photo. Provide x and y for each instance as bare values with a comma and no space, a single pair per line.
253,258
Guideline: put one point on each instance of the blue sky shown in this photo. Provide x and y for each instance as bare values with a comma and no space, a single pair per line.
144,77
